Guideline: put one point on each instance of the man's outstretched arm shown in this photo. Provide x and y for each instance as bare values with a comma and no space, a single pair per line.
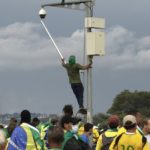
84,67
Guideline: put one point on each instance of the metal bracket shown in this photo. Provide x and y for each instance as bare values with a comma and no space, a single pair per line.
70,5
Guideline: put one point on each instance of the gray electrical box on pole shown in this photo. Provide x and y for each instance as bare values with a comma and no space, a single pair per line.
95,44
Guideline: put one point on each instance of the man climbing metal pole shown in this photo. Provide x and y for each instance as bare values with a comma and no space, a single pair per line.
73,69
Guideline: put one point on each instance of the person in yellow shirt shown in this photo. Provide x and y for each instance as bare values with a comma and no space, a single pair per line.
130,140
139,120
95,133
107,137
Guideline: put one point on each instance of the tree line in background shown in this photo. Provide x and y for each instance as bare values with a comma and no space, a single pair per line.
125,102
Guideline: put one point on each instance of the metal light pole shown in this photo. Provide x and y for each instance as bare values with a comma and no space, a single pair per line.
88,13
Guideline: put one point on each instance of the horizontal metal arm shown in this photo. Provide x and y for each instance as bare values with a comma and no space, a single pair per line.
66,3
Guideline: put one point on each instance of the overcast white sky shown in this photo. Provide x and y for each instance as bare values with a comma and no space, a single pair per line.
31,76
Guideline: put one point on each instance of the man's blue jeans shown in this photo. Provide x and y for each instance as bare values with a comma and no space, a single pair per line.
78,91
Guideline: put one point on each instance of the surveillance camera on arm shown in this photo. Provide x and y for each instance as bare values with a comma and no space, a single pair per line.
42,13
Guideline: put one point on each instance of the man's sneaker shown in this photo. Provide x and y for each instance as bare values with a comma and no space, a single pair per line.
82,110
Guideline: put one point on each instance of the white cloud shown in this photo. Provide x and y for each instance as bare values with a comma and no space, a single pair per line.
24,46
125,51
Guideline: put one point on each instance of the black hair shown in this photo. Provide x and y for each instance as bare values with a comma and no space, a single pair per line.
25,116
66,119
87,127
75,120
54,121
129,125
68,110
35,119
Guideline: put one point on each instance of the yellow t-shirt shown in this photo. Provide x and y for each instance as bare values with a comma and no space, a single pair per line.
81,130
129,141
123,130
108,133
95,133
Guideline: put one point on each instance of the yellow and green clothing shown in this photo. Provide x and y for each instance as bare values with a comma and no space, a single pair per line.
95,135
108,133
129,141
94,132
25,137
67,135
123,130
6,132
43,128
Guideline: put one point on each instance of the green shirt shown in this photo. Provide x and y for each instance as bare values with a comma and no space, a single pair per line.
67,135
73,72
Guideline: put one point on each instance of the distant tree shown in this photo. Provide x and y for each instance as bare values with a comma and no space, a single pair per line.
100,119
127,101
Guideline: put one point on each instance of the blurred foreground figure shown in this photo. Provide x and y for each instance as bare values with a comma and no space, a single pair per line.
55,137
3,140
130,139
25,136
107,137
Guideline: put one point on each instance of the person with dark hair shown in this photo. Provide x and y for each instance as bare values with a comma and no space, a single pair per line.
35,122
139,119
146,129
71,140
55,121
68,110
107,137
73,69
25,117
25,136
88,128
11,126
130,139
55,137
66,124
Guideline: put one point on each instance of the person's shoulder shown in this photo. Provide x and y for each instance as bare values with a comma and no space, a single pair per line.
110,133
78,65
18,129
68,134
83,135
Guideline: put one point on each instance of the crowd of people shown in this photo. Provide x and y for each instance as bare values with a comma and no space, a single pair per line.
70,132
